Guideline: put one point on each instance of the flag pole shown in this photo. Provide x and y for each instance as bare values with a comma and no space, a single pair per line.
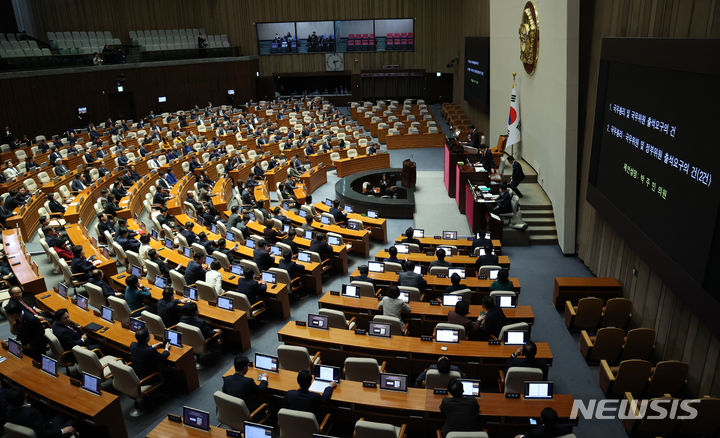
512,146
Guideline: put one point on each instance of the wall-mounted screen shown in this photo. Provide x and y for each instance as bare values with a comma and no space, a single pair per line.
477,72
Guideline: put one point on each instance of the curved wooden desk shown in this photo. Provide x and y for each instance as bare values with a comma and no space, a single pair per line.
377,227
348,166
25,270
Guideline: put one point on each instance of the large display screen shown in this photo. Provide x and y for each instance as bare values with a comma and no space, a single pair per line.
477,71
655,155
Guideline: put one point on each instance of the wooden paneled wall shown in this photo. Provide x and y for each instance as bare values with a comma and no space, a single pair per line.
679,333
47,105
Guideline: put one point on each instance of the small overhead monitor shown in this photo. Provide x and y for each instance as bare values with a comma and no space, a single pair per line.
90,383
506,301
276,250
231,92
447,336
266,362
353,225
513,337
136,271
14,348
106,313
324,220
190,292
269,277
418,233
82,302
348,208
169,244
250,243
538,390
458,271
230,236
254,430
328,202
160,282
62,290
418,269
209,260
318,321
225,303
471,387
376,267
302,213
393,382
351,291
372,214
236,269
402,248
494,274
173,337
49,365
186,252
162,99
333,240
136,324
196,418
120,88
450,300
379,329
304,256
449,235
326,373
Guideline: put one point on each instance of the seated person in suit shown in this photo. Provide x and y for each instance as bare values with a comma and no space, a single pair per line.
392,304
146,359
28,328
491,322
502,282
339,215
127,243
60,169
240,386
393,257
270,234
481,241
487,259
289,240
486,158
80,265
320,246
525,357
307,226
253,289
22,413
188,234
55,205
262,257
443,366
410,239
287,263
223,249
162,265
440,254
97,279
194,270
135,294
459,316
460,413
503,203
548,427
168,308
304,400
364,271
68,333
455,284
189,316
410,278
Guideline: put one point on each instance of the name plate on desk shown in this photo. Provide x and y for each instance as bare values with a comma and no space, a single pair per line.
440,391
360,332
512,395
441,276
435,303
301,323
426,338
335,292
175,418
233,434
494,342
369,384
75,382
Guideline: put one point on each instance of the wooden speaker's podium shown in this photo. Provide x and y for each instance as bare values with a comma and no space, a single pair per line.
408,175
453,153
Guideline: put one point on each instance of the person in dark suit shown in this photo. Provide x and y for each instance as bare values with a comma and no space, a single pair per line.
320,246
67,333
460,413
455,284
12,201
4,212
549,427
146,359
22,413
168,308
443,366
28,328
339,215
487,259
240,386
289,240
194,270
234,217
474,137
77,185
55,205
261,256
480,241
258,170
54,156
80,265
188,234
393,257
253,289
410,239
287,263
486,159
128,244
190,316
364,271
155,258
60,169
304,400
492,322
410,278
504,201
270,234
440,254
525,357
517,175
97,279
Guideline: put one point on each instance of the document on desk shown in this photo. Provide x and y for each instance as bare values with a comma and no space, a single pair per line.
319,386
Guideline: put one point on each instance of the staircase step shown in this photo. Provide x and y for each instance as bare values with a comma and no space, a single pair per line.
543,239
539,221
544,229
548,213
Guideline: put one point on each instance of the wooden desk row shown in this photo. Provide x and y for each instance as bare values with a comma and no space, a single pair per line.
181,359
436,140
377,227
361,163
25,270
360,239
458,261
78,236
463,245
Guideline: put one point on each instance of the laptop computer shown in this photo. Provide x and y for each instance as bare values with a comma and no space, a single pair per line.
418,233
169,244
458,271
538,390
323,376
196,418
333,240
276,251
136,324
506,302
304,256
402,248
173,337
62,290
106,313
230,236
266,362
379,329
348,208
269,277
514,338
317,321
308,235
236,269
136,271
187,253
324,220
353,225
393,382
302,213
494,274
82,302
190,292
450,300
372,214
225,303
160,282
209,260
250,243
254,430
449,235
14,348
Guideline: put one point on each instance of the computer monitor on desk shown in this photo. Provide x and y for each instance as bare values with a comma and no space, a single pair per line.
253,430
196,418
449,235
458,271
418,233
538,390
318,321
393,382
376,267
351,291
266,362
379,329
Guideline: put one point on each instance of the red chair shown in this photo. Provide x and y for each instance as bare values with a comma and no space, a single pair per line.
403,35
410,35
364,35
396,35
410,43
388,35
351,36
403,42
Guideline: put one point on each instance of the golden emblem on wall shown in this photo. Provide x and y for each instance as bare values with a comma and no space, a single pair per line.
529,37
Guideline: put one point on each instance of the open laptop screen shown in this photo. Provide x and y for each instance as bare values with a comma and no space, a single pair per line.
318,321
379,329
266,362
447,335
376,267
471,388
393,382
350,291
196,418
539,390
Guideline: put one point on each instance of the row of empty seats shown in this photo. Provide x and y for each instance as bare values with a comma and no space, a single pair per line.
17,49
174,39
81,42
